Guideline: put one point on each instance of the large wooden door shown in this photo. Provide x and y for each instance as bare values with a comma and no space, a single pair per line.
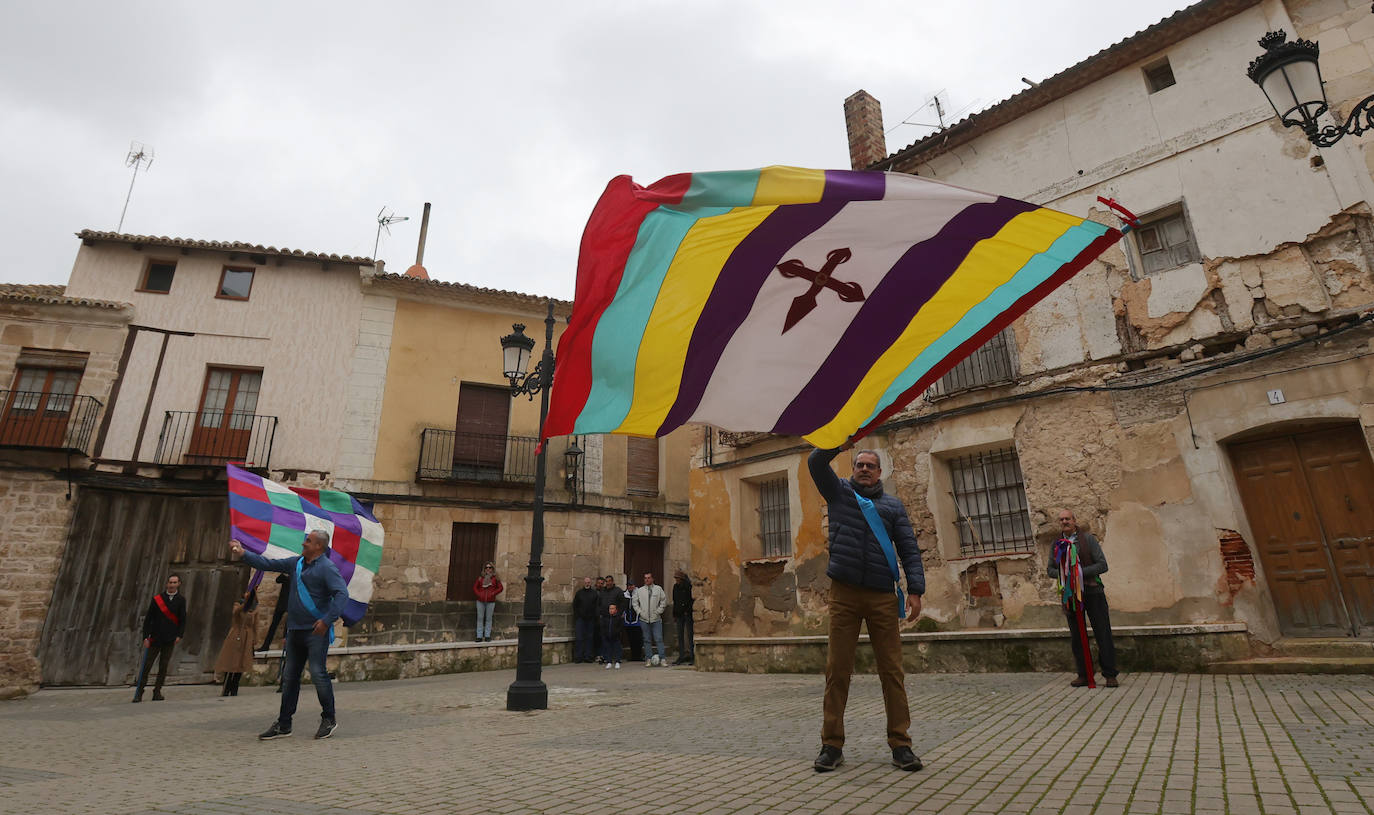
1342,480
644,554
1307,497
121,547
224,423
479,439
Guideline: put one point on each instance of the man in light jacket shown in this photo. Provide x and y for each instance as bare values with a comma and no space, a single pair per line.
649,602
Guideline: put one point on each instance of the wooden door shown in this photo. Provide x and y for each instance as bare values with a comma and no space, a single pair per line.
1341,476
224,422
479,439
1283,517
121,547
644,554
473,546
39,407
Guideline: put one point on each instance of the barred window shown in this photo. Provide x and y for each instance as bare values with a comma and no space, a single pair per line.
774,518
990,365
990,502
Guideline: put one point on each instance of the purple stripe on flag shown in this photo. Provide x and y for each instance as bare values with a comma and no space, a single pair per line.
345,565
287,518
244,476
353,611
730,301
349,523
250,542
889,309
853,185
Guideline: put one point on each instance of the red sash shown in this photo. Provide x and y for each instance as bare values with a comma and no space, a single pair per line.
166,612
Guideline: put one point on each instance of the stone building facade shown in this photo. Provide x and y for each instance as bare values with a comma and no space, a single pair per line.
46,339
1202,395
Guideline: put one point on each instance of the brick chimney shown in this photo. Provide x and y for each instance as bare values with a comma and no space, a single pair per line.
863,120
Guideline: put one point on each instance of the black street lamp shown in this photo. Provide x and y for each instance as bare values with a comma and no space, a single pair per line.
1288,74
572,466
528,691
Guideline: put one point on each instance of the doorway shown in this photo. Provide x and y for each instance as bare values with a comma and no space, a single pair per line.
644,554
1309,497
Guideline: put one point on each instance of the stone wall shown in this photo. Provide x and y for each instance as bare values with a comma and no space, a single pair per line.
33,534
361,664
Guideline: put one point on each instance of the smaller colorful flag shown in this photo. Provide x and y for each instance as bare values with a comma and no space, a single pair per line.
272,519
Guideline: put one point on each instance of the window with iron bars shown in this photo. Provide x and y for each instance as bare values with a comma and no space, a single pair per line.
991,364
990,503
775,528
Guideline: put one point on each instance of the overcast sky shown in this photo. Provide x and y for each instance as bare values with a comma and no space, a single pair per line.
291,124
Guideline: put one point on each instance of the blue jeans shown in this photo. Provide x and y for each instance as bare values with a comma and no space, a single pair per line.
653,636
300,645
582,645
484,612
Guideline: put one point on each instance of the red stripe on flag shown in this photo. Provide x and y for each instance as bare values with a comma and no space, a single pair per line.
262,530
1003,320
607,242
313,496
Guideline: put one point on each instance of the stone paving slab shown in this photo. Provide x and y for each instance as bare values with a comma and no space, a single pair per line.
669,740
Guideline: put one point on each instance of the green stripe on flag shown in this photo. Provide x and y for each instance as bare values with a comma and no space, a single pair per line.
287,538
335,501
285,500
369,556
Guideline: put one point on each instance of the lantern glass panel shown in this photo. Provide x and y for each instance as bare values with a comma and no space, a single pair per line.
517,358
1295,90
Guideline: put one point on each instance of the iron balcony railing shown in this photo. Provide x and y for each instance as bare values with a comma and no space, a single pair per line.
452,455
51,421
214,437
991,364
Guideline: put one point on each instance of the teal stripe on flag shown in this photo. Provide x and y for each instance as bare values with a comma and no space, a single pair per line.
287,538
622,324
285,500
336,501
1036,270
729,188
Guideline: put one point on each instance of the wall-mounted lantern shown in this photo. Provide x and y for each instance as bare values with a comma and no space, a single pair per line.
1288,74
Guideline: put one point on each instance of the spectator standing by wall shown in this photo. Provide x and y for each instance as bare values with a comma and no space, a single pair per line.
584,607
682,613
163,627
650,601
486,587
236,654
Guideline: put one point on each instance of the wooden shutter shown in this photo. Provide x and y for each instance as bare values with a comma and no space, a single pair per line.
483,418
641,466
474,545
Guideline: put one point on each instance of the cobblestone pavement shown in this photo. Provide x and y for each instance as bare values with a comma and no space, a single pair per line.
645,740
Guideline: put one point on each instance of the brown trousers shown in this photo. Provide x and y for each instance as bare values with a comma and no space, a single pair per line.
849,606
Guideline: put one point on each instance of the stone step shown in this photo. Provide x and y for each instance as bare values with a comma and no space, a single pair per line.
1294,665
1324,647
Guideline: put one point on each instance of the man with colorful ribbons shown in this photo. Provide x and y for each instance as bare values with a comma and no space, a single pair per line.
163,627
869,533
1077,565
318,597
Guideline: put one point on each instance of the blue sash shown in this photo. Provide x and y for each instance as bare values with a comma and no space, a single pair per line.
306,599
875,522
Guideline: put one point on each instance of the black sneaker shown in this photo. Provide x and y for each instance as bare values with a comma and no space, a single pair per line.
157,696
829,759
327,728
273,732
904,759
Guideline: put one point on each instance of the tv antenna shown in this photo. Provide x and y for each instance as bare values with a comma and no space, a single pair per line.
140,155
384,221
940,115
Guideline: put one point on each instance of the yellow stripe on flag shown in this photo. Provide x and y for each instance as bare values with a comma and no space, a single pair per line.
789,185
681,298
991,263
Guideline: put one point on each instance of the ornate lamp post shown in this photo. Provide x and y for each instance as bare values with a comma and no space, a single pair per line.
1288,74
528,691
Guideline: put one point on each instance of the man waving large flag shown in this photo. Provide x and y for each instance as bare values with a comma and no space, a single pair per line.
801,302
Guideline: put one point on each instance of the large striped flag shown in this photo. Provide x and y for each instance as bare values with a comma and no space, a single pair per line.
802,302
272,519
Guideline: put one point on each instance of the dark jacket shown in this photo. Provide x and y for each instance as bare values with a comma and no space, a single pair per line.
1090,558
283,592
585,603
610,594
322,581
856,556
612,627
156,625
682,598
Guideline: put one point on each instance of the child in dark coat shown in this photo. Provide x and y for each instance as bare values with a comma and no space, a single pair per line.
610,637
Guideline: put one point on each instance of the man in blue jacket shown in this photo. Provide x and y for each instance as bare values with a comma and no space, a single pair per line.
318,596
864,589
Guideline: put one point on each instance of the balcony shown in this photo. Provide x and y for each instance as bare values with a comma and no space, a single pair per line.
215,437
451,455
48,421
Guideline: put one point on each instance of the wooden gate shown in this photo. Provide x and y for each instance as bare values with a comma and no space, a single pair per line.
1310,501
121,548
645,554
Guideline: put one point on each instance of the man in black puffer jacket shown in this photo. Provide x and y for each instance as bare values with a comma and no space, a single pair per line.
863,589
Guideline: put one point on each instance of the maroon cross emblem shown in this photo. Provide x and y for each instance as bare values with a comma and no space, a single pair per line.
804,303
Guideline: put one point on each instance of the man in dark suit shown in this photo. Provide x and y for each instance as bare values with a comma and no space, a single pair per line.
163,627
